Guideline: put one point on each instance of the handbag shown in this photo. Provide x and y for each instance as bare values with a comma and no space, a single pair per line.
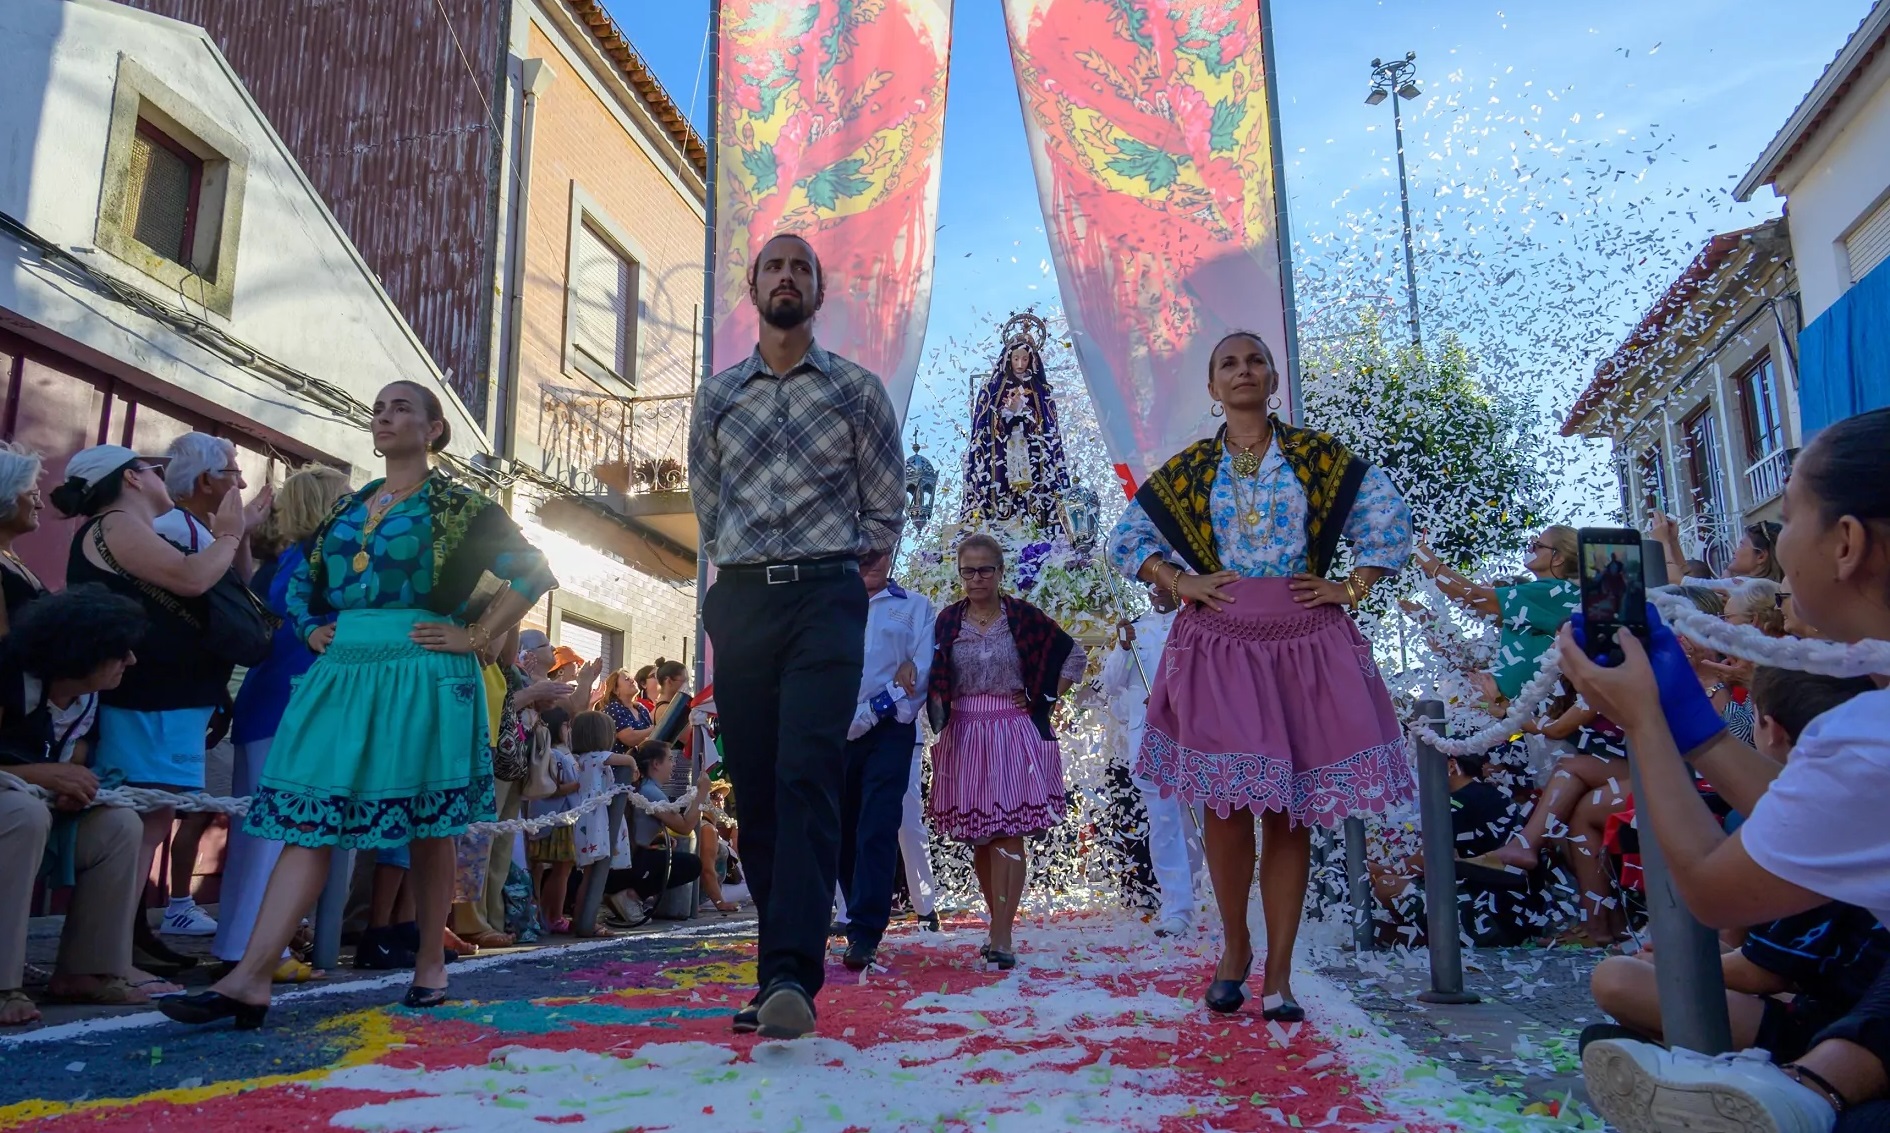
541,780
511,755
236,627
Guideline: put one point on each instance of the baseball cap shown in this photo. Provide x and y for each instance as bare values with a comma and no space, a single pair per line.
532,639
94,465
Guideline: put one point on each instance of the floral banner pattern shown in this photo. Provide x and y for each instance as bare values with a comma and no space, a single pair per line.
1152,138
832,115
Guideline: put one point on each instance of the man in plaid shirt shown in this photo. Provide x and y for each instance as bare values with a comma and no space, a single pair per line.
795,470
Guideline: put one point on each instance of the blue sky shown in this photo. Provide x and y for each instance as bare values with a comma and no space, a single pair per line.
1630,122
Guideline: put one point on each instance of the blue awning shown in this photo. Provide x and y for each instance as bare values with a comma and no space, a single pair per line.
1844,356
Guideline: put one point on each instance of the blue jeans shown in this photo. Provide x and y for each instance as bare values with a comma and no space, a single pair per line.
872,805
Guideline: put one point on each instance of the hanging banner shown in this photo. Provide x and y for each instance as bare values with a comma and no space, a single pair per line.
830,124
1152,133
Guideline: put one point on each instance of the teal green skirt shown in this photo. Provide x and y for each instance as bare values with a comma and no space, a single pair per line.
383,742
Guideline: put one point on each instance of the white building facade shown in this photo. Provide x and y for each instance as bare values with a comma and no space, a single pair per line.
1700,402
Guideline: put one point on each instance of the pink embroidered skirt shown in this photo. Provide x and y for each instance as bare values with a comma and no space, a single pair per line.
1269,706
993,775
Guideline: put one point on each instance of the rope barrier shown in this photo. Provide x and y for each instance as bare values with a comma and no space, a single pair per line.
149,798
1748,643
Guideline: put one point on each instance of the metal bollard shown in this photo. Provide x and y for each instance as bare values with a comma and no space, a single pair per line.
597,874
1689,978
1441,915
332,908
1360,882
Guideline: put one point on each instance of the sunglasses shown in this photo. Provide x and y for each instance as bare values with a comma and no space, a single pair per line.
1779,600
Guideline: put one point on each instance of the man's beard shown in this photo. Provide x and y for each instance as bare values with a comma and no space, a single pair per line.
786,316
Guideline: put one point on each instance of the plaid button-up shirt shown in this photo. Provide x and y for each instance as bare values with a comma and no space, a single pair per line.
796,466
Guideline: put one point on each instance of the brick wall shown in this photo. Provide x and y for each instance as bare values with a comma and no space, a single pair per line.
577,140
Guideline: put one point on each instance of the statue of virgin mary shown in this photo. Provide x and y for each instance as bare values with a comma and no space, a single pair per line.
1015,466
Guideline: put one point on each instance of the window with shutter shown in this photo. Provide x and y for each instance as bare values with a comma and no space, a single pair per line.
605,293
164,179
1869,243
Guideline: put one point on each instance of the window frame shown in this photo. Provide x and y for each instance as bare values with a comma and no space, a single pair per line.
587,212
1742,385
150,132
1652,459
1704,491
142,105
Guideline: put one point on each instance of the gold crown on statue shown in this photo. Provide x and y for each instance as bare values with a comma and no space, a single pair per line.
1026,330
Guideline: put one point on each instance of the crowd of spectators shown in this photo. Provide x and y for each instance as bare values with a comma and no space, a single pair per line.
115,680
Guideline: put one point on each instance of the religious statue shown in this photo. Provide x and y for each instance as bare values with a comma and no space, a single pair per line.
1015,466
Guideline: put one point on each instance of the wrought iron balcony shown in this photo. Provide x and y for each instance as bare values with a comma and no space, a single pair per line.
1765,480
1709,536
598,444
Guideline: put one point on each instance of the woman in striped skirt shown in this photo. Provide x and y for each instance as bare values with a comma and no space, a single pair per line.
998,667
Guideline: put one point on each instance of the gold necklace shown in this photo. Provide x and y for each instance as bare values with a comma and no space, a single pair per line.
1249,510
985,623
1246,460
385,503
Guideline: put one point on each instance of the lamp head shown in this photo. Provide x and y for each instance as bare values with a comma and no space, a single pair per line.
1409,91
1376,97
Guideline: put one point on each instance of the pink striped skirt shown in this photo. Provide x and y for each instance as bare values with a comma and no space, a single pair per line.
993,775
1270,706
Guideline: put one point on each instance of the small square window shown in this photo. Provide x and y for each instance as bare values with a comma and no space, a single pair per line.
165,185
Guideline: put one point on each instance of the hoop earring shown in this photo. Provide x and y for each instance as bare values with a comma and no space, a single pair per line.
379,453
1273,402
1217,411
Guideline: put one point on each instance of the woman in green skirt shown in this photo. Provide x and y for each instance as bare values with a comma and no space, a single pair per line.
384,741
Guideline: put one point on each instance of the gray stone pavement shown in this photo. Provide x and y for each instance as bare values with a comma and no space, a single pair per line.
1523,1036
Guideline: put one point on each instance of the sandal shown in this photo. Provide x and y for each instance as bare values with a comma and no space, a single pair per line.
490,939
114,991
151,986
15,997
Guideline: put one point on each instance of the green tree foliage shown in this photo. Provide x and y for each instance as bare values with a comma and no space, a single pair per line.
1469,454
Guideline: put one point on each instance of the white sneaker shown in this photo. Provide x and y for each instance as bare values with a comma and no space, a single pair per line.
190,920
1643,1088
1174,926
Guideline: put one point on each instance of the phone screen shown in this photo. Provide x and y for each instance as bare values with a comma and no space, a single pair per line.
1614,590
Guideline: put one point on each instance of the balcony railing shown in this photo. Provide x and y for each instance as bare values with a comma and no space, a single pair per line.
1765,481
597,443
1710,537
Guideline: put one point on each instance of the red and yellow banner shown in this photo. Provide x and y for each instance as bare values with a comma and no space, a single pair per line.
1152,136
830,125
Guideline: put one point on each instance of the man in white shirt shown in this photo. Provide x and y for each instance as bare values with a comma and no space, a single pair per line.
879,752
1125,676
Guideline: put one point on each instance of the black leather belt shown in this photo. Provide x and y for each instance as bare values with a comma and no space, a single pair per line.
780,574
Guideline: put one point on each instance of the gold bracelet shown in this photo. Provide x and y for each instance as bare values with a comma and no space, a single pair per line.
1174,586
1351,589
479,637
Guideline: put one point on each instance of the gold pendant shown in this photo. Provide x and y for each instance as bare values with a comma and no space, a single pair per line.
1253,519
360,563
1246,464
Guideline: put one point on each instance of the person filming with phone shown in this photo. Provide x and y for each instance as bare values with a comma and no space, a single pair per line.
1816,831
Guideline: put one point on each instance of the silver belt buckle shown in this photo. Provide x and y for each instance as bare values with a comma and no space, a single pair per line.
782,573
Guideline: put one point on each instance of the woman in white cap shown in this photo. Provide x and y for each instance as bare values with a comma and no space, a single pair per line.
152,726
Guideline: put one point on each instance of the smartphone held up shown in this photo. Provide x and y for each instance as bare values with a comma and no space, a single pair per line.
1614,589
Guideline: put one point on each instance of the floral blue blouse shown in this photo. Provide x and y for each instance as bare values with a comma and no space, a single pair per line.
400,573
1379,528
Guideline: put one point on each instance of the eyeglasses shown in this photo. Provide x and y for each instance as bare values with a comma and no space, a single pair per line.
1542,547
1779,600
971,573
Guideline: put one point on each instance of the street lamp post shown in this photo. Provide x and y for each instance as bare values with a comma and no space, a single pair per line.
1397,81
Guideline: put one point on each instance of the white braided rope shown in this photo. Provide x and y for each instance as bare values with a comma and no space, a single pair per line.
1826,658
1748,643
150,798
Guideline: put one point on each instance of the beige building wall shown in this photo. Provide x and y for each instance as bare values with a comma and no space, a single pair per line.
589,163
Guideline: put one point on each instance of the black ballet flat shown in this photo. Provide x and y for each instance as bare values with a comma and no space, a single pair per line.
1003,960
1284,1011
420,998
1224,997
203,1007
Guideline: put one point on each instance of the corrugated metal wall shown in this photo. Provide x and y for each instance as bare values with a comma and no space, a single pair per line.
388,105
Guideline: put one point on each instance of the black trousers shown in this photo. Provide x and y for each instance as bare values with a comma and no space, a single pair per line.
653,871
787,671
1867,1025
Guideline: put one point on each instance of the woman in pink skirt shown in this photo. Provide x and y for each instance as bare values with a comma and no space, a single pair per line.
998,666
1268,701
